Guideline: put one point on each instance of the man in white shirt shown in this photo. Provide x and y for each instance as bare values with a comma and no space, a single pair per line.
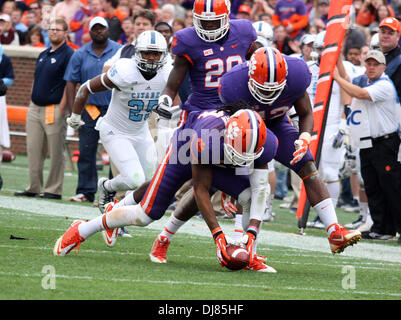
379,144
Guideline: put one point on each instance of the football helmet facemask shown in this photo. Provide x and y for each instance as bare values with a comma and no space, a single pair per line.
150,41
208,14
267,75
244,136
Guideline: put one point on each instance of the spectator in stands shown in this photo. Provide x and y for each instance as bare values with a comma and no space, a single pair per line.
35,38
45,124
79,24
8,7
86,63
6,80
389,37
178,24
114,17
18,26
282,41
379,147
382,12
318,16
262,7
354,55
145,4
66,9
128,28
165,29
189,18
168,13
179,10
367,13
7,32
244,12
292,15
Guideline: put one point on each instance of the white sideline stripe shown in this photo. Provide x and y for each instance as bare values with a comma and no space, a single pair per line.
334,264
269,238
201,284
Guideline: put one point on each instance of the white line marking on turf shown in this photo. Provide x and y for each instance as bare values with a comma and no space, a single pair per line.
270,238
202,284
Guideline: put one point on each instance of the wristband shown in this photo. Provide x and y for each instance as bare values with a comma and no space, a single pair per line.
305,136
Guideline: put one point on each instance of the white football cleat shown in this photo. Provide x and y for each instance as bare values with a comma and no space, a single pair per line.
110,235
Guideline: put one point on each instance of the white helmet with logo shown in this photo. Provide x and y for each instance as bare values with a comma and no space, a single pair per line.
150,40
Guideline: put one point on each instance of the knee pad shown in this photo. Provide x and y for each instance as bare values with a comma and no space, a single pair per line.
135,180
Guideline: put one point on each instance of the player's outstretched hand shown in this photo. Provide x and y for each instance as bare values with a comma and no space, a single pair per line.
301,147
221,242
227,204
248,241
163,107
74,121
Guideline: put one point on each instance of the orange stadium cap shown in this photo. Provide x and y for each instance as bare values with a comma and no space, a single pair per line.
392,23
244,8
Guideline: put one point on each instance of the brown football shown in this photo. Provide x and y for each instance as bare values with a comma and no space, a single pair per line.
239,258
8,156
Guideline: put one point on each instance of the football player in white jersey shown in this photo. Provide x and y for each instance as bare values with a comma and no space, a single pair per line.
136,84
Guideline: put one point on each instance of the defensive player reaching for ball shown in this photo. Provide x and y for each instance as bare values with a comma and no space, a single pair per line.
271,83
212,149
136,84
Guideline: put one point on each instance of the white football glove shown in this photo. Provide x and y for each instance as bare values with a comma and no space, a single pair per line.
163,107
74,121
301,147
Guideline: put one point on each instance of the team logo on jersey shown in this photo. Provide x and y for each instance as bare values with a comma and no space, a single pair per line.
207,52
233,130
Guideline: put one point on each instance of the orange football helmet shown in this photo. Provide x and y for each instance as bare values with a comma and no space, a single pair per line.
244,136
267,74
205,12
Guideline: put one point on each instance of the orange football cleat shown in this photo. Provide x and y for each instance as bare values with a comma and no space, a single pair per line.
69,240
110,235
257,265
159,250
342,238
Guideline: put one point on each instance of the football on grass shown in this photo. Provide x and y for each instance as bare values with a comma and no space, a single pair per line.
239,258
8,156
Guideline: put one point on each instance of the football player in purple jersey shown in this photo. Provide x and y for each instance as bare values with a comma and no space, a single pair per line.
271,83
209,148
213,46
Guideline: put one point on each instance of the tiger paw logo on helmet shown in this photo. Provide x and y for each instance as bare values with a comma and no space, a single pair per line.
233,130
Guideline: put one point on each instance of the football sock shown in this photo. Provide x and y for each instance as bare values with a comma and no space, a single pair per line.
238,231
171,227
326,213
128,200
334,191
86,229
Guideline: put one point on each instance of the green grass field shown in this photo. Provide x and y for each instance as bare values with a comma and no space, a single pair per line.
306,268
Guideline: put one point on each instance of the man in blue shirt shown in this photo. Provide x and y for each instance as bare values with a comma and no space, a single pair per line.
86,63
45,124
